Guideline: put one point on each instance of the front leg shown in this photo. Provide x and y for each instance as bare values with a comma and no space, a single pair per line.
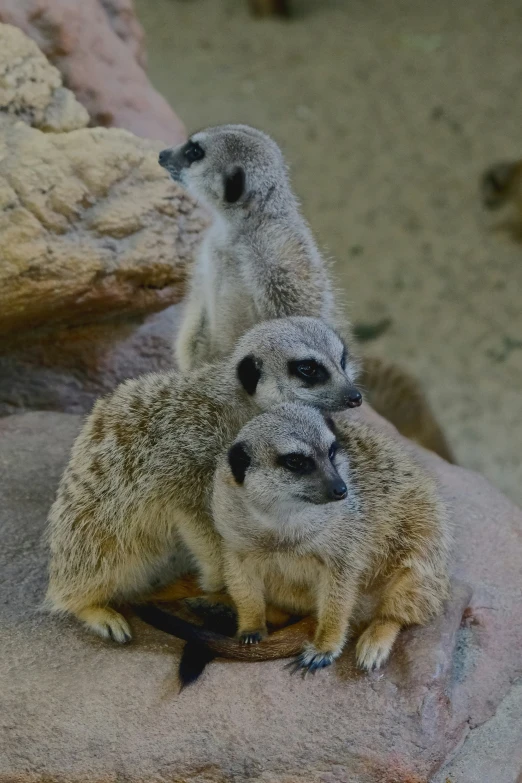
205,544
246,588
336,600
193,342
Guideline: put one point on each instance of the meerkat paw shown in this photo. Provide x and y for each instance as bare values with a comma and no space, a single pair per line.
107,623
252,637
312,659
375,645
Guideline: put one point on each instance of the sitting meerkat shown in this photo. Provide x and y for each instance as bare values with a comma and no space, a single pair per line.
331,520
259,260
141,469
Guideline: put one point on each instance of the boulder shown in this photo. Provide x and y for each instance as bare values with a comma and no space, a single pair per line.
31,88
68,368
90,226
98,47
94,237
75,708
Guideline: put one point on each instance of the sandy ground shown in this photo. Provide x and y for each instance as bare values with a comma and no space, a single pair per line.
387,112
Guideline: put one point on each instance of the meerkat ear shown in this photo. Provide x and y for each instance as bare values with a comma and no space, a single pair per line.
239,461
249,373
234,185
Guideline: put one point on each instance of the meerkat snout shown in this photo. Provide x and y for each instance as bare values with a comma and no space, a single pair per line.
353,398
176,159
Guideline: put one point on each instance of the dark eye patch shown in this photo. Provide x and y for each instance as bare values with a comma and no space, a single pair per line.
297,463
308,370
333,451
193,152
343,359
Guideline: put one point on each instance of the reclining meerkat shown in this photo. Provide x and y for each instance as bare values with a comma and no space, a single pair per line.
337,522
259,260
141,469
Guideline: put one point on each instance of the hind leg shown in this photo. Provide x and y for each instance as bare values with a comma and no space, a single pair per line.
408,599
106,622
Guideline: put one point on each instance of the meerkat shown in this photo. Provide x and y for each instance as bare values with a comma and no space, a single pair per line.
501,184
140,474
259,260
330,520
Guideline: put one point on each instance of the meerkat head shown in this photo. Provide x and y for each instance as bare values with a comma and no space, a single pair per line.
286,460
297,359
498,182
229,168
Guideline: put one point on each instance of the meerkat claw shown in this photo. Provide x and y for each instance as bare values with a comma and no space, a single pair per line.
118,635
251,637
107,623
374,647
310,661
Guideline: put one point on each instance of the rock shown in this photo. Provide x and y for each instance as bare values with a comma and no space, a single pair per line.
31,88
90,226
75,708
98,47
124,22
493,751
93,238
68,368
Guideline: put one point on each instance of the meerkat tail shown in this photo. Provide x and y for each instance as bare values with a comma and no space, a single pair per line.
398,397
280,644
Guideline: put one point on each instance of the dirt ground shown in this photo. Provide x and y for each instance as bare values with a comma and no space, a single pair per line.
387,112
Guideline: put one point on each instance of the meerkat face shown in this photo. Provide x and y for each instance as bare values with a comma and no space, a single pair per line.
286,460
227,167
297,359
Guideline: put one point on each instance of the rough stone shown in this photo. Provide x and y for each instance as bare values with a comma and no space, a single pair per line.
68,368
90,226
98,47
31,88
73,708
93,237
125,24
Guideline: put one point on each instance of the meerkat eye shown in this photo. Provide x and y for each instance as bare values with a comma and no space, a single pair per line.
333,451
193,152
343,360
297,463
309,370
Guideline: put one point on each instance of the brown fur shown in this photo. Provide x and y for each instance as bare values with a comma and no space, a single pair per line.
398,397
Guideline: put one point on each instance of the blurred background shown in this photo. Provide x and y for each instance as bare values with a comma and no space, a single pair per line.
388,112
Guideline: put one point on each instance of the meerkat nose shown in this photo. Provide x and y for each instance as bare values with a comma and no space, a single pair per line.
339,491
354,398
163,157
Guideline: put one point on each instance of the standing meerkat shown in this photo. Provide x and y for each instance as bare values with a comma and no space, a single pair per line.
338,523
259,260
141,469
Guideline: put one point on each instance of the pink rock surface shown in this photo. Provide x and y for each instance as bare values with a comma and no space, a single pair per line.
68,368
73,708
98,47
